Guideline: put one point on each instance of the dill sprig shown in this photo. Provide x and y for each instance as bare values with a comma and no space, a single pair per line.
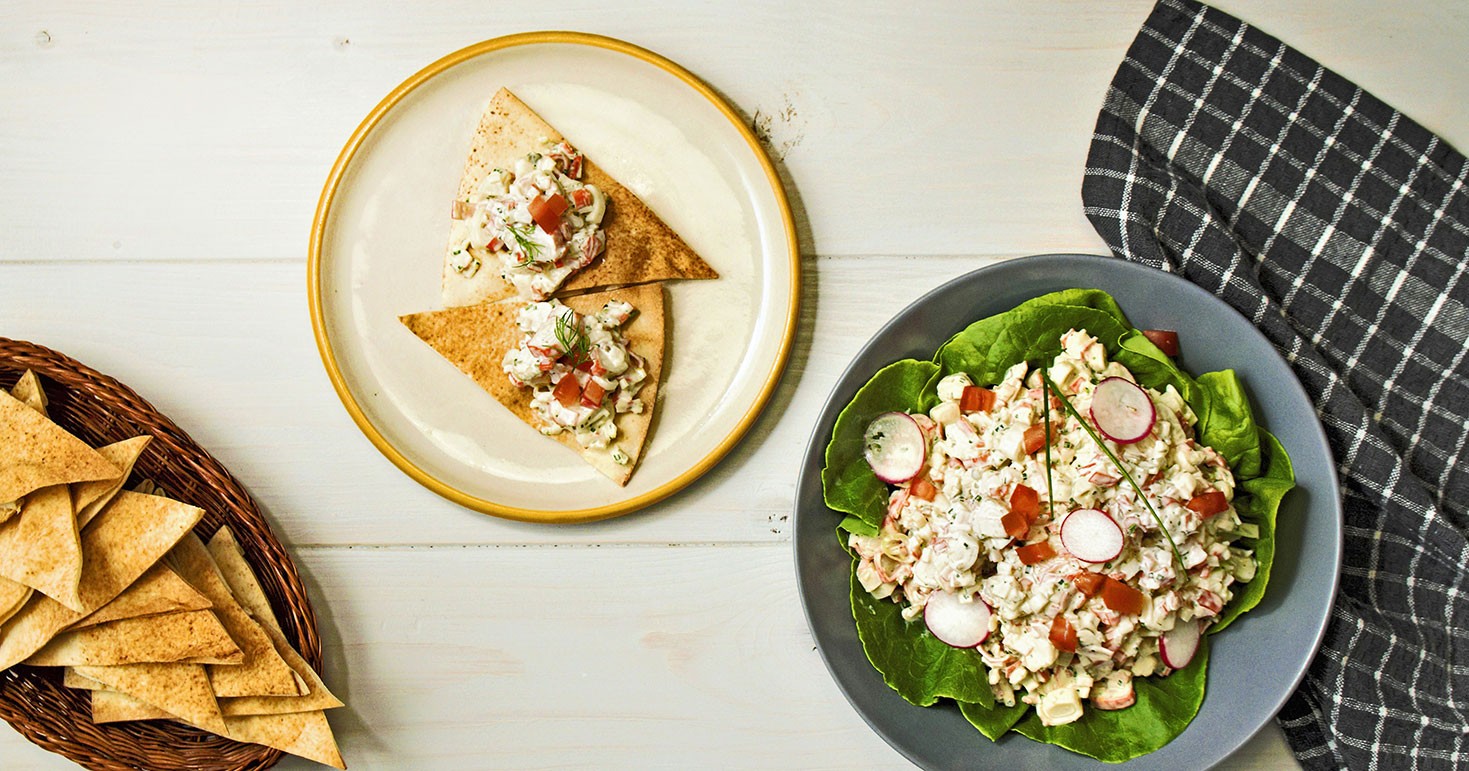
573,337
1046,416
529,250
1066,403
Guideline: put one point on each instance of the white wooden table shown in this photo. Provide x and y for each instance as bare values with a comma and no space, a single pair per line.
159,166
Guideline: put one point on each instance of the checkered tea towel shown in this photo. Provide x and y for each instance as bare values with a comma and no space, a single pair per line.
1341,228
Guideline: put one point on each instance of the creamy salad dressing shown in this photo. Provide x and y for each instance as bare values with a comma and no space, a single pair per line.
958,542
580,370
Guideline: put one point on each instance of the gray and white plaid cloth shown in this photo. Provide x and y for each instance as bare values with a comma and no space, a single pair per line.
1341,228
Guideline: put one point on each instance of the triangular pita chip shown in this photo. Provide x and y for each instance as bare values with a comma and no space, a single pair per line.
28,389
160,590
179,689
263,672
304,734
640,248
13,597
90,497
127,538
41,549
71,678
39,453
195,636
476,339
231,560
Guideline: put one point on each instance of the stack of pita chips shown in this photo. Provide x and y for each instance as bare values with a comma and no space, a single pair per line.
114,585
478,326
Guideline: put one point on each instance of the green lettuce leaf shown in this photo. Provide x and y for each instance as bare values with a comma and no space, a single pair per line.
922,669
912,661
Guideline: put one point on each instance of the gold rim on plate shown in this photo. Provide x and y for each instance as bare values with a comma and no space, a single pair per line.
328,355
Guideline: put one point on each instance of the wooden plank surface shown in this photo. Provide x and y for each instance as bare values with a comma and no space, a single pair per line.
159,166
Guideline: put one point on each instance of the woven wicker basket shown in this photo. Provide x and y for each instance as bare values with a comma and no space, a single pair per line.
100,410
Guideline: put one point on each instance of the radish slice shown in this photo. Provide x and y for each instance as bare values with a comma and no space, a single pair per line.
895,447
956,622
1179,644
1122,410
1091,536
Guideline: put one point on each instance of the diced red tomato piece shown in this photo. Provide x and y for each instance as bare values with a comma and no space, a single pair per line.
567,390
1016,525
494,245
922,489
1165,339
1208,504
1122,598
1035,438
581,198
546,211
591,396
1088,583
1063,634
1025,502
1032,553
976,399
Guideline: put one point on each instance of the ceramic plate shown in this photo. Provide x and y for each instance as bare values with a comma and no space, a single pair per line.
377,246
1253,666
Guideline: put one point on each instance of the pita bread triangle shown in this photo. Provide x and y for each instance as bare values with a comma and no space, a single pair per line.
39,453
640,249
160,590
194,636
476,338
91,497
178,689
41,548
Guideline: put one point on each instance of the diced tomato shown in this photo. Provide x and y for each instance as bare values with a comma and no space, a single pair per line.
581,198
1016,525
1088,583
494,245
1122,598
1025,502
922,489
584,365
591,396
976,399
546,211
567,390
1063,634
1165,339
1032,553
1035,438
1208,504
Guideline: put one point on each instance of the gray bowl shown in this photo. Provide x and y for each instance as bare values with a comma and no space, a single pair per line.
1253,666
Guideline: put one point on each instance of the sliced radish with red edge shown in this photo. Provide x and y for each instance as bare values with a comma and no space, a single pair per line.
1091,536
956,622
1122,410
1179,644
895,447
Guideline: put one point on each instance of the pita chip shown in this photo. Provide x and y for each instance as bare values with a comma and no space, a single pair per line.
476,338
231,560
28,389
126,539
194,636
90,497
160,590
263,672
39,453
640,249
178,689
41,549
13,597
117,707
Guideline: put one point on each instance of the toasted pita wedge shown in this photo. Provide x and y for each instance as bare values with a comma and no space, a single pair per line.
126,539
13,597
28,389
195,636
476,339
160,590
89,497
304,734
640,248
180,690
41,549
263,672
237,573
38,453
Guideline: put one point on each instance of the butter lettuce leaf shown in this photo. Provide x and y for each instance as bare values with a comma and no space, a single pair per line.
922,669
